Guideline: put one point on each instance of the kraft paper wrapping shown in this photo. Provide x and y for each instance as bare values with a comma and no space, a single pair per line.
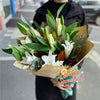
54,71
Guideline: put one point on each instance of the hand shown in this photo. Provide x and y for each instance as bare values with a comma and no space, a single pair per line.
61,86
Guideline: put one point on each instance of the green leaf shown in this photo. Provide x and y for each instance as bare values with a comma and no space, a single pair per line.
38,27
18,42
26,49
42,40
22,28
64,37
34,39
50,22
60,9
46,32
68,37
71,27
9,51
62,20
37,46
23,20
54,35
49,13
15,53
27,24
73,35
58,46
21,51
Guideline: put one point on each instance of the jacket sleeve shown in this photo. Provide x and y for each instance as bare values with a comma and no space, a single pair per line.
39,18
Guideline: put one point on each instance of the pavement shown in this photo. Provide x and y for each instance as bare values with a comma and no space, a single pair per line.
16,84
28,12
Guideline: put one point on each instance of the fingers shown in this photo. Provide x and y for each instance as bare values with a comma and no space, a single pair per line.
71,86
65,87
61,86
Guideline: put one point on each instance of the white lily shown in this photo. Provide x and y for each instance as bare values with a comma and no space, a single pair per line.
59,26
28,59
68,48
27,40
51,60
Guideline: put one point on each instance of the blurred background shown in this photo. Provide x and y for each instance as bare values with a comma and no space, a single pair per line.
16,84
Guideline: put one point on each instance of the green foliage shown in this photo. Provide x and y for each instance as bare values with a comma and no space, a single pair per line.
42,40
58,46
54,35
60,9
64,37
49,13
22,28
27,24
38,27
51,22
46,32
9,51
37,46
73,35
18,42
26,49
62,20
68,37
71,27
15,53
21,51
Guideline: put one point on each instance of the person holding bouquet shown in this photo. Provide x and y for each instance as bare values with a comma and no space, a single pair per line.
46,88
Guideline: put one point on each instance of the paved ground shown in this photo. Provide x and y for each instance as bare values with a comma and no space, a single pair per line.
16,84
28,11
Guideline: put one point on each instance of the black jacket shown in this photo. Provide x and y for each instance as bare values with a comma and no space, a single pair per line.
72,12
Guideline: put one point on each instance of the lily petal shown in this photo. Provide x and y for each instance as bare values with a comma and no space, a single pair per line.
68,46
51,60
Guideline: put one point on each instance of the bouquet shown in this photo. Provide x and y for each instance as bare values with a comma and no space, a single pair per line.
51,49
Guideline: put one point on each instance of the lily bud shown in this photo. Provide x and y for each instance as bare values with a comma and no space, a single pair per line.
36,33
46,32
51,42
59,26
50,38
